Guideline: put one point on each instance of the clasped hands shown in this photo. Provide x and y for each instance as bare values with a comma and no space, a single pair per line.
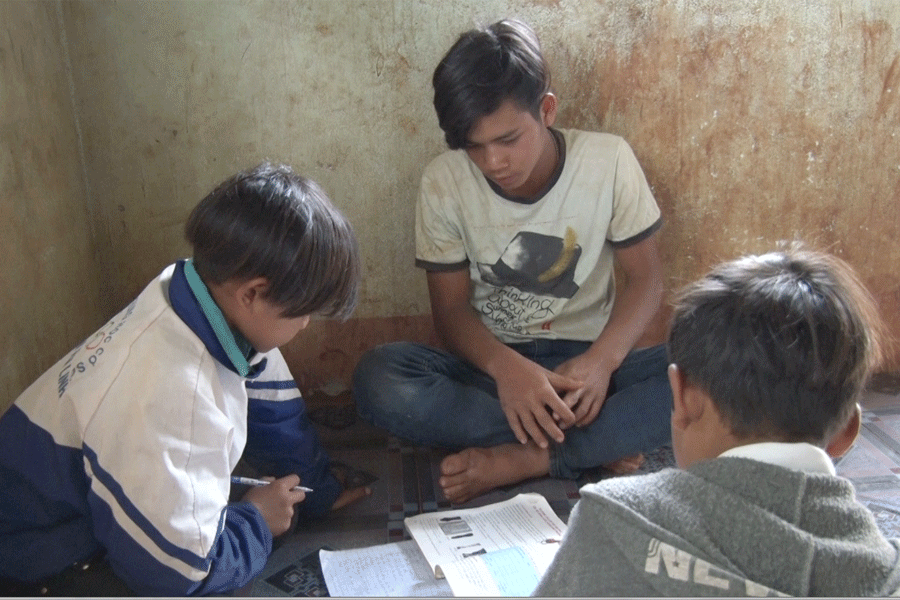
539,403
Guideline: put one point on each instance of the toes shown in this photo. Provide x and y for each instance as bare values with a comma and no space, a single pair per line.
457,494
454,491
453,464
454,480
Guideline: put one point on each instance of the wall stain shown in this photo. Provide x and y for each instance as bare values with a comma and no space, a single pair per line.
889,92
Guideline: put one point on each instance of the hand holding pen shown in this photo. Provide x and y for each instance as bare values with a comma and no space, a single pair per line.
275,500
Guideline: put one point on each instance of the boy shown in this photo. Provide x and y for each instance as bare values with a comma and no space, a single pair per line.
115,464
770,355
518,228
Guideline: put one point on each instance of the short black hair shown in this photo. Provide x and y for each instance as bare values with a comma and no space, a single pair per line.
484,68
783,343
270,222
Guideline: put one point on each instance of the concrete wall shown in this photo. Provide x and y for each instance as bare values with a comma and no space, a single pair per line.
49,279
755,121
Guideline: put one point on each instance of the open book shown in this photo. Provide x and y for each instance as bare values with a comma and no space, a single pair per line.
501,549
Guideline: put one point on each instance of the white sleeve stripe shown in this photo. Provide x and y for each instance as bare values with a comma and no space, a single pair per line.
274,395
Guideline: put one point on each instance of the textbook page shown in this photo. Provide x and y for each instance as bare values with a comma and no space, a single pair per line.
395,569
511,572
447,536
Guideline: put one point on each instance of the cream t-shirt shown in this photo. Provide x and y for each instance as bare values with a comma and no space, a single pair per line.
542,269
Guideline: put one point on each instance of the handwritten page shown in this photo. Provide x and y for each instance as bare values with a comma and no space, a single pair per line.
396,569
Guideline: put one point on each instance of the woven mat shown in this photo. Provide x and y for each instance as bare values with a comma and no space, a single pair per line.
873,465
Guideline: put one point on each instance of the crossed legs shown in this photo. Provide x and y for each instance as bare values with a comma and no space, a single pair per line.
431,397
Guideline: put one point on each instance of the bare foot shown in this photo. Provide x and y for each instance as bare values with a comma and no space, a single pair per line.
475,471
625,465
351,496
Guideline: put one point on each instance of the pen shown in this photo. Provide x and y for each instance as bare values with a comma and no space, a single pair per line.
259,482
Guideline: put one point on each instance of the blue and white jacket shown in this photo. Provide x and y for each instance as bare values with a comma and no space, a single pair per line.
127,444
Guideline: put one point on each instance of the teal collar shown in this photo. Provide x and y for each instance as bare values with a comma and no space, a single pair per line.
235,345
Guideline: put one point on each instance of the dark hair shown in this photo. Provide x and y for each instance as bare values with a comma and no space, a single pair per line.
270,222
484,68
783,343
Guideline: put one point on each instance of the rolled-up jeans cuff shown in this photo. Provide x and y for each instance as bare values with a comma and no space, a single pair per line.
558,467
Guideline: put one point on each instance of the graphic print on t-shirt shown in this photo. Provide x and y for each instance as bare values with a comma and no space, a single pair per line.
538,264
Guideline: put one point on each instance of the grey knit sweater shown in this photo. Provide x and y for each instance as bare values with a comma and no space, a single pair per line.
725,527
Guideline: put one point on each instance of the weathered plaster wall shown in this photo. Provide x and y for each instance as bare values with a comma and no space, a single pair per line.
49,295
176,96
755,121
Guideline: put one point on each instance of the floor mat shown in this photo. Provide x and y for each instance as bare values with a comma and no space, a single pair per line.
873,465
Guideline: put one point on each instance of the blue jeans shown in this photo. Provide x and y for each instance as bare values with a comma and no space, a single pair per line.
433,398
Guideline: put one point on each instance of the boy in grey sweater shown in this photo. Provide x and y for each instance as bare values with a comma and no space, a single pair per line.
770,355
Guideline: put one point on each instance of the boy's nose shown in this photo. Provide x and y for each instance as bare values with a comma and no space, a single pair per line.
494,158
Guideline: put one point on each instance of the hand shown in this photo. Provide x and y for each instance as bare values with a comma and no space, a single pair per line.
529,397
276,502
587,400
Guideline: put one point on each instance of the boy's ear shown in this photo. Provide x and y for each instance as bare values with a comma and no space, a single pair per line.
676,380
843,440
688,401
251,290
548,109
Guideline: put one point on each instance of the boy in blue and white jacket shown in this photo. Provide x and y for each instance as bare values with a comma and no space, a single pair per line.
124,449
